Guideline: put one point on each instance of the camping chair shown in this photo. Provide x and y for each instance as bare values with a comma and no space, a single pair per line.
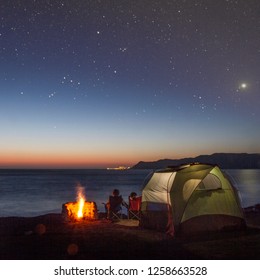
115,207
134,209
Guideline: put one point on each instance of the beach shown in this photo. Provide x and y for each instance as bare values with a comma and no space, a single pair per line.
32,227
49,237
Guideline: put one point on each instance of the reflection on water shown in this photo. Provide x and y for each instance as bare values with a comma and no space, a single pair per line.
35,192
247,181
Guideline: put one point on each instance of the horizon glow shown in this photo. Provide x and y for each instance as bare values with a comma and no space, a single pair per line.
97,84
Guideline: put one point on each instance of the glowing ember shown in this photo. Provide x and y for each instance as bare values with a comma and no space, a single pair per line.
76,211
81,209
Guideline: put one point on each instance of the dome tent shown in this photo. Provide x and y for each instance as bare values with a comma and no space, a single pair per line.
190,198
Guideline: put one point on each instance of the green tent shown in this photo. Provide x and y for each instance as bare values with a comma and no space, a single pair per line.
190,198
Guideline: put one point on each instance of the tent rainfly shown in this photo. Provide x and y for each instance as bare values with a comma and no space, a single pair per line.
190,199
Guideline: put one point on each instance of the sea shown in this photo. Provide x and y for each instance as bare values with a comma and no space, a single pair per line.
28,193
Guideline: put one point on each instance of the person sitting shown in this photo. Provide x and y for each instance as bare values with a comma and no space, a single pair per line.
134,206
133,195
113,206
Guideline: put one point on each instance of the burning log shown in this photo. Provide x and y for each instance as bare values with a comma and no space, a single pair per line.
80,210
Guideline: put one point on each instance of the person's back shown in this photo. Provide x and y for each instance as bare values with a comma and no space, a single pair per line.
134,205
115,202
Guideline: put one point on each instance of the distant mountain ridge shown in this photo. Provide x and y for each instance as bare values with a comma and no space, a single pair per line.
223,160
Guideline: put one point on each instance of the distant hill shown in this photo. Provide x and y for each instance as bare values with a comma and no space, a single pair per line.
223,160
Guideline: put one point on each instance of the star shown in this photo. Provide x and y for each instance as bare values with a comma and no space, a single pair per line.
243,86
152,63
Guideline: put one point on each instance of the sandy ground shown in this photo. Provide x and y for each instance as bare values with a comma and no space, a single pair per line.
50,237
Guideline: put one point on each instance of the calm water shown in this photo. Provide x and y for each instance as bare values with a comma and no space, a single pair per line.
35,192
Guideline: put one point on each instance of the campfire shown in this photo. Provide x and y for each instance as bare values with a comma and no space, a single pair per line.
80,209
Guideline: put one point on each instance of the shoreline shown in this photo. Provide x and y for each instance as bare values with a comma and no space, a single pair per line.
49,237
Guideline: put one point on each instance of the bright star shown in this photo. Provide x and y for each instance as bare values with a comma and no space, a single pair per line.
243,86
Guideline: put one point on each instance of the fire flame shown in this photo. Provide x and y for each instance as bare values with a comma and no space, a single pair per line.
81,206
80,209
80,203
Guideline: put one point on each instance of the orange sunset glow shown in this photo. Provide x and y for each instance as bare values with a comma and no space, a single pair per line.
70,159
96,86
40,160
99,158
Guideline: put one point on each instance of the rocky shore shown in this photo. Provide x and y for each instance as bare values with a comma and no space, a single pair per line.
49,237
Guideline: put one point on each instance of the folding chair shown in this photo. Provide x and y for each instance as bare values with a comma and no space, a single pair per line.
115,207
134,209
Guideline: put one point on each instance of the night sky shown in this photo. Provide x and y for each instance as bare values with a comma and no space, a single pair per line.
107,83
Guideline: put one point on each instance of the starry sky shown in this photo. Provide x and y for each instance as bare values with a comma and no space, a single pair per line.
89,84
